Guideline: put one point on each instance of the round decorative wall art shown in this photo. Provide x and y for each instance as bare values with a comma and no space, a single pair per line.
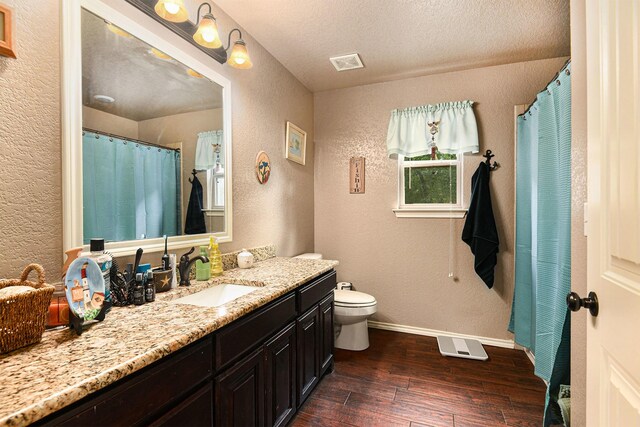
263,167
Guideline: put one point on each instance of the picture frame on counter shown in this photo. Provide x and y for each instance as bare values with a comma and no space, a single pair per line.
6,32
295,144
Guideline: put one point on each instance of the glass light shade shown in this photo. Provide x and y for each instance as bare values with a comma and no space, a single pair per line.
172,10
239,57
194,73
160,54
117,30
207,34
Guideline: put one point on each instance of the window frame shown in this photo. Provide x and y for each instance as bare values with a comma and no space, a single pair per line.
211,208
431,210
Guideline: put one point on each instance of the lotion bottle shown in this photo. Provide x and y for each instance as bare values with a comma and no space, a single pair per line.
202,268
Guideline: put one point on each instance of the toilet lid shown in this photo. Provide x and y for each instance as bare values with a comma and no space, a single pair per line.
352,298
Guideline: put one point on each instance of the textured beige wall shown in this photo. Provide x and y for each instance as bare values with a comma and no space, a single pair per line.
110,123
280,212
404,262
578,198
30,193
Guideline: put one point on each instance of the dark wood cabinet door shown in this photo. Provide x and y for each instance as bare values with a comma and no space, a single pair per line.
195,411
280,373
144,395
309,334
326,320
240,393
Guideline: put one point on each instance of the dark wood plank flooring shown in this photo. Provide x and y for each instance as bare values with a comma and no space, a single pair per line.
402,380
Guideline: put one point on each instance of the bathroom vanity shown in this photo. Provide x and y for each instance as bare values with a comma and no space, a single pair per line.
252,361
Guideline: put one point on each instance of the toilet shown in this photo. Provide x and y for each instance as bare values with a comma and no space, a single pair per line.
351,309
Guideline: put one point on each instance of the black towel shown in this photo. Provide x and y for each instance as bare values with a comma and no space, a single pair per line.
195,217
480,231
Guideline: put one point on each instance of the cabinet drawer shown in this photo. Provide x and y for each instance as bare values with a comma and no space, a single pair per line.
151,390
244,334
195,411
313,292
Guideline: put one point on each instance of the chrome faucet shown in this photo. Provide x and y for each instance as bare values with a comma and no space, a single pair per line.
185,266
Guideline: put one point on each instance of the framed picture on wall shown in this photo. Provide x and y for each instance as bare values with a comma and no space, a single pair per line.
6,32
296,144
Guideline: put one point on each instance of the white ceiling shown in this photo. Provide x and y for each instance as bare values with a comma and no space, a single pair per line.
143,86
401,38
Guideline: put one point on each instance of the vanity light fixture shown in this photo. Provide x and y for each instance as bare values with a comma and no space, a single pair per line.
117,30
206,34
239,57
172,10
160,54
194,73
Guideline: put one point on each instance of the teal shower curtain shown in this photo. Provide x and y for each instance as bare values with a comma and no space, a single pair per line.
539,316
130,190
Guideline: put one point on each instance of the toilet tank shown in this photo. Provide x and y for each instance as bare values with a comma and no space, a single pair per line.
309,256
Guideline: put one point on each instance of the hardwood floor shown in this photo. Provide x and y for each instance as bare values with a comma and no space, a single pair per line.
402,380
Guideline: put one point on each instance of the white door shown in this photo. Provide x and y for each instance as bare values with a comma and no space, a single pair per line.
613,102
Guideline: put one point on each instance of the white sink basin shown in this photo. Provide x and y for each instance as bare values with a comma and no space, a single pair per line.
217,295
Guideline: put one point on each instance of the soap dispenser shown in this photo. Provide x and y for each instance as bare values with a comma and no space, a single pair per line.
202,268
215,258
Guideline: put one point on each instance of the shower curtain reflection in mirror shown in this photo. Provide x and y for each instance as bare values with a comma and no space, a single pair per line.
130,190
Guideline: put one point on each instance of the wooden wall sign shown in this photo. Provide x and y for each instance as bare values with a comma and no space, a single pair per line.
356,175
6,32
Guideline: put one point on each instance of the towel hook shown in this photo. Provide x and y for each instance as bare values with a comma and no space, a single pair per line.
488,155
194,173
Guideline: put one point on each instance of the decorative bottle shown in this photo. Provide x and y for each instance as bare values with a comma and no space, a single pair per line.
215,258
104,261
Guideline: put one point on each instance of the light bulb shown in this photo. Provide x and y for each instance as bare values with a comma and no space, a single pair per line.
172,10
240,61
171,7
208,35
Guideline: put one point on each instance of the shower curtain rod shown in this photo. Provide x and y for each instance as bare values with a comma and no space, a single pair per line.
112,135
564,67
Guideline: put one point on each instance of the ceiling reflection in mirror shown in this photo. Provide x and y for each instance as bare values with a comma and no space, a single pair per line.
153,148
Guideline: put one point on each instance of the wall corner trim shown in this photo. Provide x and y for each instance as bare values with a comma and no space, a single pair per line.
495,342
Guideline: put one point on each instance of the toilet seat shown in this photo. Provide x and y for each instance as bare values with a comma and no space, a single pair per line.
352,299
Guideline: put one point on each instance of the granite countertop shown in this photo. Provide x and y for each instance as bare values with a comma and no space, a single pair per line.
64,367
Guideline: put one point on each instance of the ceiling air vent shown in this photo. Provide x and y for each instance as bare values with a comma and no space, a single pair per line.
347,62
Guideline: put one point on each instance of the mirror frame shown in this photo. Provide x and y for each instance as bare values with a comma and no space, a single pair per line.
71,124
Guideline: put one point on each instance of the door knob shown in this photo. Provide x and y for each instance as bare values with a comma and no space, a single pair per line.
574,302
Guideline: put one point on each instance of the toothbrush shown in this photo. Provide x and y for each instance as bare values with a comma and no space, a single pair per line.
165,258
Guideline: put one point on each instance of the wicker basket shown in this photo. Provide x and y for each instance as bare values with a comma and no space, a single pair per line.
23,316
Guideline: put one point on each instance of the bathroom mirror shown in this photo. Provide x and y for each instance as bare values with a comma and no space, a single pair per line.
147,141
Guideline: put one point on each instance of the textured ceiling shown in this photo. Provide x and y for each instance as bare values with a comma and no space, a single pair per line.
143,86
401,38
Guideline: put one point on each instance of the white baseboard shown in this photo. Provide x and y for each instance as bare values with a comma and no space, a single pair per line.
434,333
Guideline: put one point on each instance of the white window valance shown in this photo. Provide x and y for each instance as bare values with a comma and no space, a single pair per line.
451,124
206,155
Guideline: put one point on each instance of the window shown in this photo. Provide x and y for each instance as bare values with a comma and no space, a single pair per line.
214,194
430,188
